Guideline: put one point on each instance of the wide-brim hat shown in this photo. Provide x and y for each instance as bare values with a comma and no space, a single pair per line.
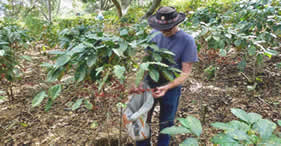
165,18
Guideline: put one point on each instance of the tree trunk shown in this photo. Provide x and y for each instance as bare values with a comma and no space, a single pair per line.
118,7
107,5
125,4
50,11
154,5
32,6
58,8
102,4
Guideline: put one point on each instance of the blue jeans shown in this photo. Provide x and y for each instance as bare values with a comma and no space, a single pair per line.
168,108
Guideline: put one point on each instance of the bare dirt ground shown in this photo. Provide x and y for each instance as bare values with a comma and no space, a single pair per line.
208,100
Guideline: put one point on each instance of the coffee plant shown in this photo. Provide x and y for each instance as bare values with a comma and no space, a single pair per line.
53,93
99,58
251,128
189,125
12,41
252,27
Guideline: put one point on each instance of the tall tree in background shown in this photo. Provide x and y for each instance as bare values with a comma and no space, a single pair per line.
118,7
125,4
122,7
13,8
93,5
155,4
49,8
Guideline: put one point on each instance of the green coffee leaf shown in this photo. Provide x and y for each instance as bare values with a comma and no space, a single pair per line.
140,73
53,74
279,122
157,57
62,60
154,47
224,140
151,36
158,63
223,126
264,128
175,130
77,104
88,104
259,59
123,46
228,35
118,52
38,98
124,32
168,52
4,43
273,140
241,114
242,64
48,105
99,70
139,76
92,60
254,117
77,49
168,75
103,81
54,91
154,74
252,50
194,125
80,73
222,52
239,125
119,72
2,97
221,44
190,142
237,43
183,122
278,65
238,135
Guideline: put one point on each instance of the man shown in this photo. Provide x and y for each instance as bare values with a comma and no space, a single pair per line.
183,46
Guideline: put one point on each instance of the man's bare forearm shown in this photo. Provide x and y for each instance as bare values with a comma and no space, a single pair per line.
179,80
187,68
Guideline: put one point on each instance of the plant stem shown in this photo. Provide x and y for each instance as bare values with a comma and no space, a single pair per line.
11,91
107,127
120,126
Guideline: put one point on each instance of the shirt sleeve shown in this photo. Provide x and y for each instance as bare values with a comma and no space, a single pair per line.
190,51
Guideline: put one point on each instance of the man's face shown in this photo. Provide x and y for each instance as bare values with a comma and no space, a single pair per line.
169,32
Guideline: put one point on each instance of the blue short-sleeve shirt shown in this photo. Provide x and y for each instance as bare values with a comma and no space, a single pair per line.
181,44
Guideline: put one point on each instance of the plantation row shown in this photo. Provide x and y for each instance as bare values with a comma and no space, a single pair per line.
253,28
